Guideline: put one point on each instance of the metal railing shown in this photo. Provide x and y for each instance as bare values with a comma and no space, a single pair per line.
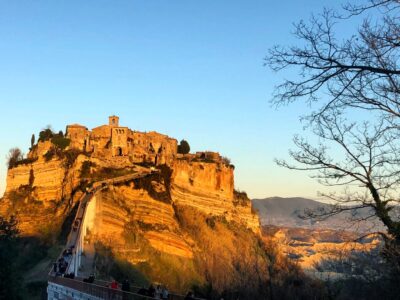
102,290
95,290
134,289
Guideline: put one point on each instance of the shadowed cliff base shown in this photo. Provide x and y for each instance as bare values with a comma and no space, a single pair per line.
228,261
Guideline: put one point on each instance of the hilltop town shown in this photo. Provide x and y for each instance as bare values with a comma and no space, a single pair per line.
116,142
57,166
113,140
145,198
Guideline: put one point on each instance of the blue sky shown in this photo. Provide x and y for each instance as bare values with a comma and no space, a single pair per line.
190,69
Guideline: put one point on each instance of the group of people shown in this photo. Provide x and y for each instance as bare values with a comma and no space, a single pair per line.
189,296
61,265
125,286
158,292
76,224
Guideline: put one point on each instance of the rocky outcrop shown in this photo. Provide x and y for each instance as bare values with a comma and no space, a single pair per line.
122,208
47,180
203,177
209,187
42,192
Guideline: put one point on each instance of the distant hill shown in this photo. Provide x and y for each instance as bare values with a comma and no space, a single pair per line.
285,212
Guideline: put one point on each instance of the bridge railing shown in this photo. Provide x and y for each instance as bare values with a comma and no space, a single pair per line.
101,289
134,289
95,290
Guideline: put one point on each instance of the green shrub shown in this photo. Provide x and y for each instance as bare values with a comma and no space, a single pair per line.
240,198
85,169
60,142
50,154
183,147
70,156
211,222
25,161
45,135
32,140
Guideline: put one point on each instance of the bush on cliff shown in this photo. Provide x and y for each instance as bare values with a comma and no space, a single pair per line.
85,169
240,198
60,142
14,156
183,147
46,134
57,139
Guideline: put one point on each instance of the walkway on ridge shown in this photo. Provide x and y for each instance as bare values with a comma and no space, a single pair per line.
76,230
97,289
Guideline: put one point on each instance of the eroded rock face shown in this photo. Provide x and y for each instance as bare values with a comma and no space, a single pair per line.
202,177
169,241
121,209
206,186
209,187
49,180
42,193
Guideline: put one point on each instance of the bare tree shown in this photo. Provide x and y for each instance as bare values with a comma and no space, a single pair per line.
336,77
14,156
361,71
362,157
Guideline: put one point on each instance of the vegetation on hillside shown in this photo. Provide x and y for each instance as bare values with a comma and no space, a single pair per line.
229,261
240,198
18,255
14,157
183,147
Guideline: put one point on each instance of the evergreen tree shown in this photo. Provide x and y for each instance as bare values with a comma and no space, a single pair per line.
33,140
9,281
183,147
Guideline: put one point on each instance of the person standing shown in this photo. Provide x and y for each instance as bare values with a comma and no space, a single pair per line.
151,290
114,285
189,296
165,293
126,286
158,292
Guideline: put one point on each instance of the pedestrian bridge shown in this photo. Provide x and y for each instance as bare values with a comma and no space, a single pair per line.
68,278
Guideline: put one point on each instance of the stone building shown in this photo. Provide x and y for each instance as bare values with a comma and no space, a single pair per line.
113,140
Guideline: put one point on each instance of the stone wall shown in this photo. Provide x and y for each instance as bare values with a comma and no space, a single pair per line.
79,136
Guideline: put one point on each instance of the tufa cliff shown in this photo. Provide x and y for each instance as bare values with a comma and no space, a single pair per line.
145,224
